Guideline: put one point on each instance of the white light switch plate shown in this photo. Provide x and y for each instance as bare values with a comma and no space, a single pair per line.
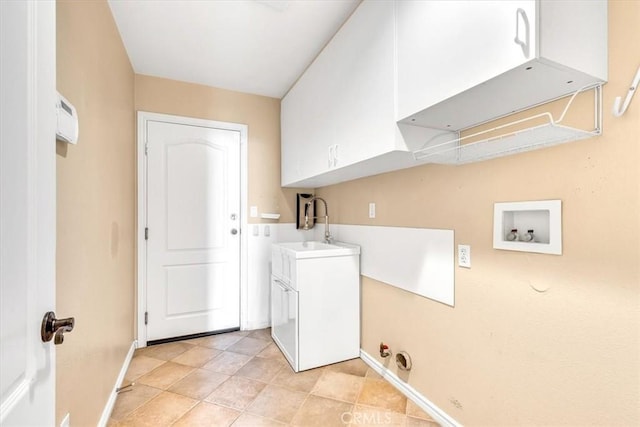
372,210
464,256
253,212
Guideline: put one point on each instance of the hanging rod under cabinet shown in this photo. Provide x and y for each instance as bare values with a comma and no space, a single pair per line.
456,152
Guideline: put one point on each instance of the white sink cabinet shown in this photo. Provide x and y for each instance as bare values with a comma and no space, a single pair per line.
315,303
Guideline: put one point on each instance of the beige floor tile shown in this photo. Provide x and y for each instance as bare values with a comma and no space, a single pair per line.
262,384
319,411
129,401
249,346
220,342
198,384
165,375
351,367
164,351
299,381
364,416
373,374
411,421
196,356
261,369
381,394
236,392
262,334
248,420
227,363
206,415
160,411
277,403
337,385
272,352
415,411
141,365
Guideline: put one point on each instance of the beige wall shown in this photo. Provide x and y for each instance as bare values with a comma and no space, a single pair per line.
533,339
260,113
95,210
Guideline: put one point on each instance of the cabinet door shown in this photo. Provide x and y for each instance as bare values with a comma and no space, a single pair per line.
284,320
342,109
447,47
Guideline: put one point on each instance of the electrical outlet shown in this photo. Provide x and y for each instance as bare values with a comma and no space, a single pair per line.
372,210
464,256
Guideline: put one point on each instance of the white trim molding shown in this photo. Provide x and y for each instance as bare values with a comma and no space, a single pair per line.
412,394
143,118
106,413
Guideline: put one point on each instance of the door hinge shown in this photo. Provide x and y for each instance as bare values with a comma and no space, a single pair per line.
146,233
146,317
146,148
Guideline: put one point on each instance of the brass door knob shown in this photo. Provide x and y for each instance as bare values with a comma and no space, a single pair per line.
55,327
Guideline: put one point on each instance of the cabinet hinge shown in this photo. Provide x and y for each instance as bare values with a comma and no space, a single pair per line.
146,233
146,317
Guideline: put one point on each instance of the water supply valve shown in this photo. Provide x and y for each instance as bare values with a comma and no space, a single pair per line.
384,350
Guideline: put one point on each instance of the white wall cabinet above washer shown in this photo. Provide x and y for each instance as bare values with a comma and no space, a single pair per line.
461,63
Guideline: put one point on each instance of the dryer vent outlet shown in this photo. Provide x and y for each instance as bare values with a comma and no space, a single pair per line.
403,360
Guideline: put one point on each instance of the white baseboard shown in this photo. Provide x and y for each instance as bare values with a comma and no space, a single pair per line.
429,407
106,413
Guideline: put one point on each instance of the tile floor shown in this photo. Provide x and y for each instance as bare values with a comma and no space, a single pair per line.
242,379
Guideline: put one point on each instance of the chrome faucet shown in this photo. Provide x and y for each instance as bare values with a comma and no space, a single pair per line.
327,234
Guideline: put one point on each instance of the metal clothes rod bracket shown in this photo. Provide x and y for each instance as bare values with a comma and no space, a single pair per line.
551,132
617,111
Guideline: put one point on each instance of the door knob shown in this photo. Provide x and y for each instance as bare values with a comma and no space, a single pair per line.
52,327
234,231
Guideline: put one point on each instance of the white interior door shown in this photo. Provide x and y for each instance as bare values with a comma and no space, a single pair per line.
27,211
193,241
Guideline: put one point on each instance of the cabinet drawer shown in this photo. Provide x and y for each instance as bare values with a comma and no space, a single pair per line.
282,265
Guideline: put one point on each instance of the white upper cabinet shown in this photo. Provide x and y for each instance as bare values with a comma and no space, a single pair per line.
342,108
461,63
339,119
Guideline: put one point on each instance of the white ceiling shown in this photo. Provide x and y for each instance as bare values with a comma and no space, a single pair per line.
251,46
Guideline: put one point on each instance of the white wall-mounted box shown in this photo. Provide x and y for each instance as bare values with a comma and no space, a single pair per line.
67,127
544,217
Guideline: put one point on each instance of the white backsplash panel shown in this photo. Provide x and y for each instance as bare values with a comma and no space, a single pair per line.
418,260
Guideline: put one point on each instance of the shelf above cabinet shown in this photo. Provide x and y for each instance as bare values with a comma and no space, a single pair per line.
551,132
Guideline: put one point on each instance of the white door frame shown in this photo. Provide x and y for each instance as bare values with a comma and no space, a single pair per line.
143,118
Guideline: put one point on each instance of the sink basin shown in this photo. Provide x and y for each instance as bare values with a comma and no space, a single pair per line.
319,249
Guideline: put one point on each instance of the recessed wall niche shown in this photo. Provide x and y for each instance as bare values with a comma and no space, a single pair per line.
534,226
